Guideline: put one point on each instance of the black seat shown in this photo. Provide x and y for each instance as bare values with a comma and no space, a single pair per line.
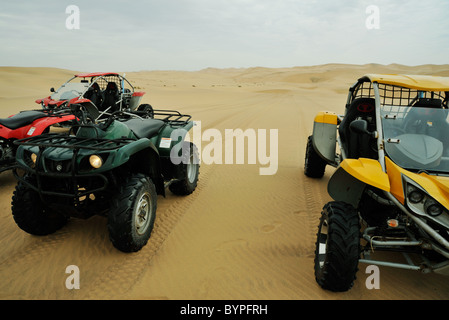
110,98
428,103
95,95
144,128
359,145
22,119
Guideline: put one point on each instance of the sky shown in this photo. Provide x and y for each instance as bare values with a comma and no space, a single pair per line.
192,35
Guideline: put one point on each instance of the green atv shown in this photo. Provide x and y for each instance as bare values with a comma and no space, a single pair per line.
115,168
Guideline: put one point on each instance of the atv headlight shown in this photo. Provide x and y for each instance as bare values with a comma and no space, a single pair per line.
33,158
95,161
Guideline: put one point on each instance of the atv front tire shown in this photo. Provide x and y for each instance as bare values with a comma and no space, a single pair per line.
337,247
132,214
314,165
188,170
31,214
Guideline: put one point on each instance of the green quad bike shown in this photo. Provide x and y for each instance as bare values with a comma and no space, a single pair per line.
115,168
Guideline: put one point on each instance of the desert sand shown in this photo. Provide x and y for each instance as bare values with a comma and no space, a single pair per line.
240,235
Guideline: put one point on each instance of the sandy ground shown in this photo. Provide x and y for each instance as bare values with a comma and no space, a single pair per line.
240,235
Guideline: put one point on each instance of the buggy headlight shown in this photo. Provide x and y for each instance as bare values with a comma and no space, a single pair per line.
419,201
95,161
433,208
414,195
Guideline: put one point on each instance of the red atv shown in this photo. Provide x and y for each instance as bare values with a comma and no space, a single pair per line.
27,124
108,91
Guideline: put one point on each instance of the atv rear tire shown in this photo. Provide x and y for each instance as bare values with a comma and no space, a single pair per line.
314,165
188,171
31,214
132,214
337,247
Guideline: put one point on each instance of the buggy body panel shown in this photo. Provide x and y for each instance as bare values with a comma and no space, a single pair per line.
325,135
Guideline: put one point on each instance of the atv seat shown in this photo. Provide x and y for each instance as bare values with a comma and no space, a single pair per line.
21,119
144,128
358,145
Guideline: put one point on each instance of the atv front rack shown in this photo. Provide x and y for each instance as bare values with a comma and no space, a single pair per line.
71,169
57,112
57,140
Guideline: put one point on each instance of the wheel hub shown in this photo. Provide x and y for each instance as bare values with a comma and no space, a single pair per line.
142,213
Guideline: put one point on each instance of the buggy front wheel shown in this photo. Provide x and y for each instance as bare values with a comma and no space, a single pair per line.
337,247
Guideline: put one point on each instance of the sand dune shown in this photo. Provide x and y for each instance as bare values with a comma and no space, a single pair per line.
240,235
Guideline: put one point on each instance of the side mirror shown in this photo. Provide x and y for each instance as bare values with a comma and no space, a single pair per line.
52,89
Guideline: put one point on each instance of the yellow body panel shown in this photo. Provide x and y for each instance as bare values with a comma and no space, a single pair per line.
326,117
418,82
437,187
394,175
368,171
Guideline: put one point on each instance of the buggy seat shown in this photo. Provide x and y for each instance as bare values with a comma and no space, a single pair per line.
359,145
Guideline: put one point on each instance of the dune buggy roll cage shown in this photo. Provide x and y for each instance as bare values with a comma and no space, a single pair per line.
392,96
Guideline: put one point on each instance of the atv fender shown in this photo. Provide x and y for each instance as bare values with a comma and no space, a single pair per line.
324,136
171,135
142,156
38,126
352,176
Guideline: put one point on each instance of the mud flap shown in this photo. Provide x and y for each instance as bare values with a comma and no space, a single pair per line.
344,187
325,135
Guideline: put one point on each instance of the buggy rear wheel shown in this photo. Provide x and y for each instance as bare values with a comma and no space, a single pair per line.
314,165
132,214
337,247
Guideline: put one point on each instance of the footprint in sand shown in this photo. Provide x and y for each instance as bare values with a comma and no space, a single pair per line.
268,228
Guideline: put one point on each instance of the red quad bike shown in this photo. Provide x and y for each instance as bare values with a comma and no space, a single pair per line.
26,124
107,91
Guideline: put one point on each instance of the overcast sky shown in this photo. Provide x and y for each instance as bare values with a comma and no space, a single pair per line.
195,34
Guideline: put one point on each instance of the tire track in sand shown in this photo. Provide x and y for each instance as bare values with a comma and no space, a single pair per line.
120,277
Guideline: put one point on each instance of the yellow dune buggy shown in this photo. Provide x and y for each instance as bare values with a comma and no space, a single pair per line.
391,183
